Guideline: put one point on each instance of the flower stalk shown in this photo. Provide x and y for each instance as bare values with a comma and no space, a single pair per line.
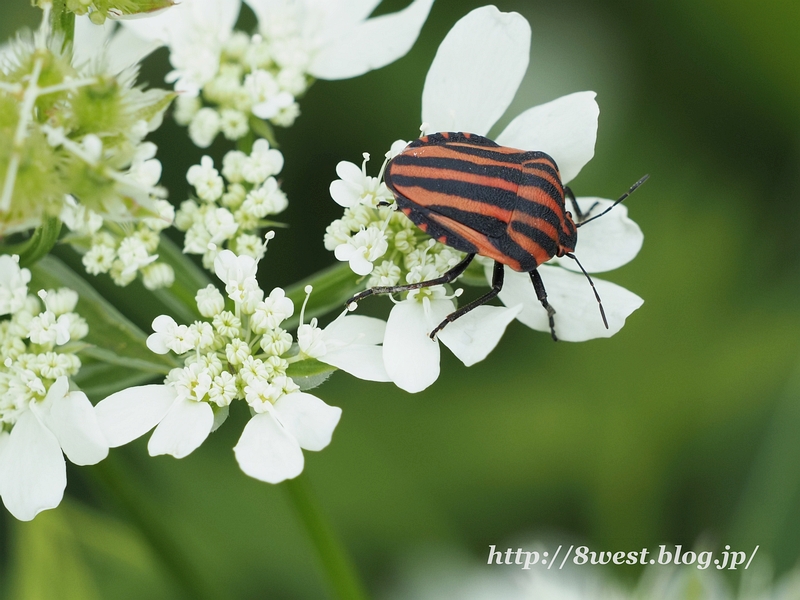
335,561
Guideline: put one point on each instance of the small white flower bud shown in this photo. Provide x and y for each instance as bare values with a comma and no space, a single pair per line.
210,301
237,351
204,127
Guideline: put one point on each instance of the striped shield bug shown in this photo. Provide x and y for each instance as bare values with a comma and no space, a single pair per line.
478,197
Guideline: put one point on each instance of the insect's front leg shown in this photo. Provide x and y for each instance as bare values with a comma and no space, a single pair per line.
451,275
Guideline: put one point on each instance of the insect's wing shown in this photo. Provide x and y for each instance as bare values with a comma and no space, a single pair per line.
473,184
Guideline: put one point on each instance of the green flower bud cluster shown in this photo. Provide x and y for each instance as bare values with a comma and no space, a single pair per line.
100,10
72,129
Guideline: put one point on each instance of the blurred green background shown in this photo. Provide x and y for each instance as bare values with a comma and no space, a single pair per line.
683,428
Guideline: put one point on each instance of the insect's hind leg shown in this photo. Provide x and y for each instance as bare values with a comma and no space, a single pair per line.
541,294
394,289
497,285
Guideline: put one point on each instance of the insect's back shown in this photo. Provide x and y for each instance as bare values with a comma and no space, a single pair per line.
478,197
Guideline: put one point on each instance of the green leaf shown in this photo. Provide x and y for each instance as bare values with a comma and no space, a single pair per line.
309,373
332,288
74,553
99,380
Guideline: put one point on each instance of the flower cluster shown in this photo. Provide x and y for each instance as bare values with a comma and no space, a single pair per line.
126,248
39,416
375,239
74,123
231,79
256,76
241,352
231,208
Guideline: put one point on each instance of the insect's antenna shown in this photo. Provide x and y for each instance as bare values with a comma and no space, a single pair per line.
594,289
625,195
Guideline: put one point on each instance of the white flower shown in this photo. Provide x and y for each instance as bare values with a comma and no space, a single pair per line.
361,250
411,357
349,343
32,470
265,94
263,162
206,180
209,301
195,32
13,284
204,127
181,424
356,187
238,273
270,448
473,78
335,39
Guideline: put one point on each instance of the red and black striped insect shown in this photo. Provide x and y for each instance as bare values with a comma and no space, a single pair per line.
478,197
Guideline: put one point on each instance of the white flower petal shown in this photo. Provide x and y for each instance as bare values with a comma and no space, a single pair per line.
267,452
72,420
565,128
577,317
344,193
476,71
410,356
474,335
364,362
371,44
360,265
308,419
127,49
130,413
606,243
90,39
350,172
33,474
356,329
185,426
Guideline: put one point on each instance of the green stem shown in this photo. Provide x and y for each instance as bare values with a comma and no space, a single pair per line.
341,573
38,245
144,516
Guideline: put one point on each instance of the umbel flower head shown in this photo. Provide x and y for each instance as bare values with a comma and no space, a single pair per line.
241,352
473,78
230,79
231,216
74,122
40,418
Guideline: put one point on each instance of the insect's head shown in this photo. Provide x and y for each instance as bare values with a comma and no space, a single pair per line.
567,236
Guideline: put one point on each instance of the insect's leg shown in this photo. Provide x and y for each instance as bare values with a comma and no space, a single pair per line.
579,214
497,285
394,289
541,294
594,289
